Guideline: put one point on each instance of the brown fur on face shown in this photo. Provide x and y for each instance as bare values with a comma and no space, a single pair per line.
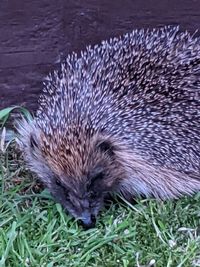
77,156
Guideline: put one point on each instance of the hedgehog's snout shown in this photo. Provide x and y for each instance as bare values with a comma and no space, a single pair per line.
88,220
84,209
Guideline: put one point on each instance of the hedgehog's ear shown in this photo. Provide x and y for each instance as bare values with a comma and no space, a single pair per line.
27,137
33,141
106,146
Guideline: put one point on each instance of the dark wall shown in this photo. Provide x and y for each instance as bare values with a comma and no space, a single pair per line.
34,33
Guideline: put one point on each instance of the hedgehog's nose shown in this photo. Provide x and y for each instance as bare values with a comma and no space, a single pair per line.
88,220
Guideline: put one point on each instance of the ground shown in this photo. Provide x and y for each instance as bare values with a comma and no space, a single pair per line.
35,231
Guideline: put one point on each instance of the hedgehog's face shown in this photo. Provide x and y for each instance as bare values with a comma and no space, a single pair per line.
81,188
79,177
83,199
84,182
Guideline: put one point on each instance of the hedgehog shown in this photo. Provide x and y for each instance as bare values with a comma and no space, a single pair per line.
121,117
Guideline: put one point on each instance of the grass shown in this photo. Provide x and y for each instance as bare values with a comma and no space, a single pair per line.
35,232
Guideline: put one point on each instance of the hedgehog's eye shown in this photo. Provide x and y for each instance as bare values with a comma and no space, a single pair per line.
98,176
66,192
